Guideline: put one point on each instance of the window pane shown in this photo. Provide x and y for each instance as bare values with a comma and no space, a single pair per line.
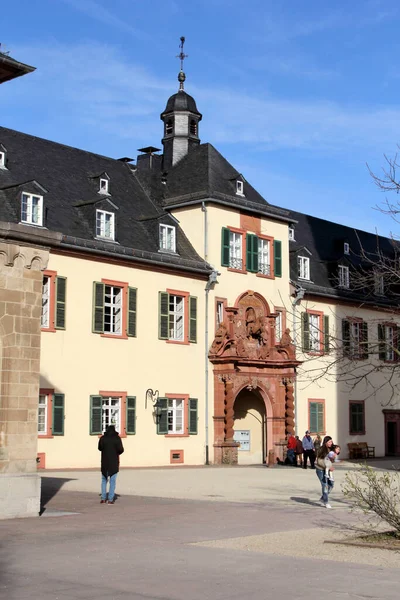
113,309
111,413
46,302
176,317
42,414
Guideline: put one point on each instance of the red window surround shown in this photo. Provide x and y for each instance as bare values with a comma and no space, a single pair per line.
185,295
271,256
242,232
282,310
52,300
185,397
123,396
320,316
124,286
49,393
320,401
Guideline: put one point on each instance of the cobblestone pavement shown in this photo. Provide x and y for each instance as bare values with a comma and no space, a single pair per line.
170,545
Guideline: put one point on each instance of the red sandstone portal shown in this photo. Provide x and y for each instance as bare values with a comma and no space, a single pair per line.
245,354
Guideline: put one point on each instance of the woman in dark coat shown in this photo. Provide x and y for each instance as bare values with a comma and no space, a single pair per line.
110,446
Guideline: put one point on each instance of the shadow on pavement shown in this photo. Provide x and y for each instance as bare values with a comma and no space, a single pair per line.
50,486
304,501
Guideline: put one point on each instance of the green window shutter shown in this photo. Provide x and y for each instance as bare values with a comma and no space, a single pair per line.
346,337
193,416
162,418
95,414
130,415
278,258
305,332
192,319
58,414
314,417
320,416
326,333
252,253
163,304
98,307
225,247
364,340
381,342
61,292
131,316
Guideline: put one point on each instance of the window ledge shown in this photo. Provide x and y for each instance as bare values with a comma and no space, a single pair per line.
114,336
179,342
243,271
356,433
105,239
265,276
175,435
48,329
166,251
32,225
45,437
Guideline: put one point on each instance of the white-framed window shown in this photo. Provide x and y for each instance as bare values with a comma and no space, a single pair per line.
291,234
104,184
2,160
235,250
278,326
176,414
344,276
43,414
355,339
32,209
239,188
304,267
389,342
105,224
264,256
346,248
379,284
176,317
315,332
220,312
167,238
111,412
113,298
46,292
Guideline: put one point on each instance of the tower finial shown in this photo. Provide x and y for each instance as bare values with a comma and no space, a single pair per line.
181,56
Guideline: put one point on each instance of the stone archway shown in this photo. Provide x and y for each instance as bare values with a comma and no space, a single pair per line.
246,355
250,429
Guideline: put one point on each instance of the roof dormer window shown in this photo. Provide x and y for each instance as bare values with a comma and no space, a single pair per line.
291,234
239,188
32,209
193,127
346,248
169,127
167,238
103,185
105,225
2,159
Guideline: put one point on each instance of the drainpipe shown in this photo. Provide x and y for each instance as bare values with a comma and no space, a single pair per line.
298,297
212,280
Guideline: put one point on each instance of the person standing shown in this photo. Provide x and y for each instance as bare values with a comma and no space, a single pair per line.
317,443
291,450
308,450
324,463
110,446
299,452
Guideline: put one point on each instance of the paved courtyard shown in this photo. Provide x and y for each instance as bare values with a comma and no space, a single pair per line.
203,533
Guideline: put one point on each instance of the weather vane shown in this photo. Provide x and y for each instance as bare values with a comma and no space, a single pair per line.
181,56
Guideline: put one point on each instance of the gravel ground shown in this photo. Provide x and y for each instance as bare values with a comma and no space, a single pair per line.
292,543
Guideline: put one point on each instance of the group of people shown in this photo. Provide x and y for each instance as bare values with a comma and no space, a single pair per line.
299,452
322,453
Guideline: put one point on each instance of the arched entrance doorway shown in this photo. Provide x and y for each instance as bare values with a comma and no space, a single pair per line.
250,427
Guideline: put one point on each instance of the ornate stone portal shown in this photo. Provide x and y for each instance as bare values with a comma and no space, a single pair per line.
246,354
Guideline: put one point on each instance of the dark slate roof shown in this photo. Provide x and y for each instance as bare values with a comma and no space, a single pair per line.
181,101
68,183
11,68
323,242
205,174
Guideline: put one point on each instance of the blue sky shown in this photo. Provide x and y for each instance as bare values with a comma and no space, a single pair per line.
297,94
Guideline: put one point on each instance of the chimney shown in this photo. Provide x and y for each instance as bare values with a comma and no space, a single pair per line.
149,160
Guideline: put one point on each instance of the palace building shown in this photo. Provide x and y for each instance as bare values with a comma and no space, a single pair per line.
178,304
